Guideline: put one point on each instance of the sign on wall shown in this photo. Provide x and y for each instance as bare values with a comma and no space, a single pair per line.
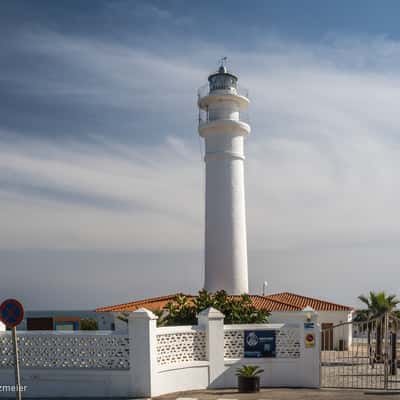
309,340
259,344
309,325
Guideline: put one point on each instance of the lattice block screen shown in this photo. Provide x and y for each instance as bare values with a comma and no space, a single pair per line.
287,343
234,344
67,351
181,347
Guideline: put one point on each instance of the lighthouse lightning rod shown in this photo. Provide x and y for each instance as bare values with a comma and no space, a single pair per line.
223,61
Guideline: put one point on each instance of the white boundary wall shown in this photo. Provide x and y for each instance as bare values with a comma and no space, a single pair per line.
68,364
151,361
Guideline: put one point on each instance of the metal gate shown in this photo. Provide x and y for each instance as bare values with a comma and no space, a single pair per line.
361,355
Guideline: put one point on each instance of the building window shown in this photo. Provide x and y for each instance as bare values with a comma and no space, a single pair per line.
66,325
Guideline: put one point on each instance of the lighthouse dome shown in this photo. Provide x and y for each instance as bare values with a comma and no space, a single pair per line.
222,69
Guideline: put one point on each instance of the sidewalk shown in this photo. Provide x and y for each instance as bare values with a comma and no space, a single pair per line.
281,394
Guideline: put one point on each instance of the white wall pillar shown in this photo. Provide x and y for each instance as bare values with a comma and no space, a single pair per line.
350,329
311,355
213,322
143,355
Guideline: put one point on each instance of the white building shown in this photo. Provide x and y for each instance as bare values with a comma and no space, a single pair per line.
64,320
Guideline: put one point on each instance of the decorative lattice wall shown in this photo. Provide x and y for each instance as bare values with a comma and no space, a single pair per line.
234,344
54,350
181,347
287,343
111,351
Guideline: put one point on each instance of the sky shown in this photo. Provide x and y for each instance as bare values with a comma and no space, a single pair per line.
101,171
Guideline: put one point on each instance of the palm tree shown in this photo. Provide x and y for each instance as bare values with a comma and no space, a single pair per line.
378,305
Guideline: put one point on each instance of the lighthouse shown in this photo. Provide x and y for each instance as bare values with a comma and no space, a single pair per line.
221,104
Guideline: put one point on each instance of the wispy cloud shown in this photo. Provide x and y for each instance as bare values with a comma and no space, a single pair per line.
322,158
107,199
99,149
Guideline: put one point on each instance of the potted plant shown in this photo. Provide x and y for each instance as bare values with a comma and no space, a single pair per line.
248,378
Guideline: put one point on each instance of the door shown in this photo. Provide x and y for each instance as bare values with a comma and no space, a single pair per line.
326,336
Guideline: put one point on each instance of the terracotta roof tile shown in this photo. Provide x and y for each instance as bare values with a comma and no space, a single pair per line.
264,303
156,303
303,301
284,301
152,304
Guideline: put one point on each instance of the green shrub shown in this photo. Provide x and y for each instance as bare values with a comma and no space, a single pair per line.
249,370
237,310
89,324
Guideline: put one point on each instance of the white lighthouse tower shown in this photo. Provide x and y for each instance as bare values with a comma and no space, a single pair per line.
221,104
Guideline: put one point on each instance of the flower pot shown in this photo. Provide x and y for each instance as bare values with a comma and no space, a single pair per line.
248,384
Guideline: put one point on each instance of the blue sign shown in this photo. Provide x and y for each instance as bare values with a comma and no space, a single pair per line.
308,325
259,344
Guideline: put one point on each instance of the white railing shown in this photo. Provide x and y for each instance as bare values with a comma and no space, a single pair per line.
204,91
89,350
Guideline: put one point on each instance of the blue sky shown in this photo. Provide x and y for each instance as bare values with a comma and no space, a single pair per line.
101,178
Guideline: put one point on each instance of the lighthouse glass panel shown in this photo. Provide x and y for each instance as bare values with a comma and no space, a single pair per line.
222,81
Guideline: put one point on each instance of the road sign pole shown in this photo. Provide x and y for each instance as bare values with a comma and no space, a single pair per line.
11,314
16,365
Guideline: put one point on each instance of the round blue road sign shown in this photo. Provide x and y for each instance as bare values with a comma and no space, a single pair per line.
11,312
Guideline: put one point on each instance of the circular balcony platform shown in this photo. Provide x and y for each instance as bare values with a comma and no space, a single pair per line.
223,126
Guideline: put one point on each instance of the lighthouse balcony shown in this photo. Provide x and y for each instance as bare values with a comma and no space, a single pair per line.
234,126
207,96
204,90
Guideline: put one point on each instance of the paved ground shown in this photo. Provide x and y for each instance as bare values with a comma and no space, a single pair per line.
281,394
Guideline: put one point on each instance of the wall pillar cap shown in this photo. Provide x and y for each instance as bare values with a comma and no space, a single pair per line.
211,313
143,313
309,313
